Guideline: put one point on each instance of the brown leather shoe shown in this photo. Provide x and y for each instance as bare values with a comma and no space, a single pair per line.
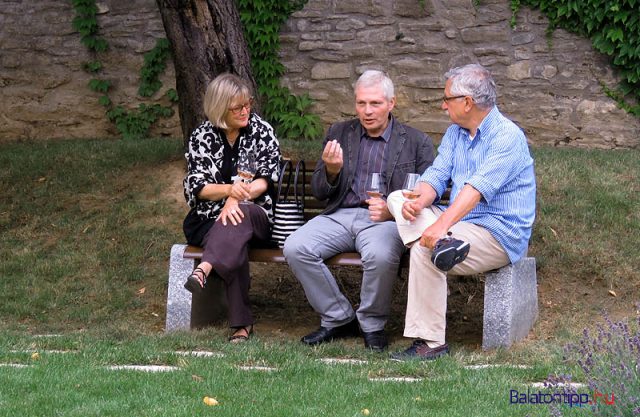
419,350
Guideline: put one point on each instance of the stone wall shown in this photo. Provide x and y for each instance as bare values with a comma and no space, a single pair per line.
45,92
551,88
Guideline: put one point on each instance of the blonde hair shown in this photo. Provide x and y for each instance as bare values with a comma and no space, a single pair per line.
219,95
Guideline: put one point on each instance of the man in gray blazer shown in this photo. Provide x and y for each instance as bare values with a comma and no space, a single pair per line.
375,142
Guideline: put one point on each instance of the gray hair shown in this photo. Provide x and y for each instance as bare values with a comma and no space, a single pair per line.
371,78
473,80
219,95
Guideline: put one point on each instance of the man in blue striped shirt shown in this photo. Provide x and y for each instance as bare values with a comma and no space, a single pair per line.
492,205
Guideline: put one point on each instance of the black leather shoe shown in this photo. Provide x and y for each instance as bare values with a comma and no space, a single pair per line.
325,334
376,341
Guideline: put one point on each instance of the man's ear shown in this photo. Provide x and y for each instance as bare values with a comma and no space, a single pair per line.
392,103
468,103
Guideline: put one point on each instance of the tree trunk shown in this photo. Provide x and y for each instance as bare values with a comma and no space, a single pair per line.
206,40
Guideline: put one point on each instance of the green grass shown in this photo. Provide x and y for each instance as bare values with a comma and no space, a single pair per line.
78,384
586,233
82,230
86,224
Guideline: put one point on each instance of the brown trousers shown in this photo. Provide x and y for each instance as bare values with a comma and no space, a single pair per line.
227,249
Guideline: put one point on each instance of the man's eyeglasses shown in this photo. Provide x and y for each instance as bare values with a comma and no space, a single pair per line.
448,99
238,109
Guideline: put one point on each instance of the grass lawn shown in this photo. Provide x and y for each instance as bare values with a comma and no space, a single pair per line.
297,383
86,228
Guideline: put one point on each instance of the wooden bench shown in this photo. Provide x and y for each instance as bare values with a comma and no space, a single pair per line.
510,299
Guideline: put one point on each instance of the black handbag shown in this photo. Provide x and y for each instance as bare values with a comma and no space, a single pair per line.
288,211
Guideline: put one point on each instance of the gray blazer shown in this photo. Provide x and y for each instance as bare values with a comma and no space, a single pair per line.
409,151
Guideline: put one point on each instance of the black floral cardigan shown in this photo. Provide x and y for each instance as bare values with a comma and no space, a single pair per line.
204,161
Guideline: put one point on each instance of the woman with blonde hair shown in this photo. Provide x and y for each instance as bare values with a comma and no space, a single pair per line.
227,212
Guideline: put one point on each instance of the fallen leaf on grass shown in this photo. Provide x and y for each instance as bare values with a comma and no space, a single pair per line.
210,401
35,356
553,231
142,290
613,293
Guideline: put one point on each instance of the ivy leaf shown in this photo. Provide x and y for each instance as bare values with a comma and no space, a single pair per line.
615,34
104,101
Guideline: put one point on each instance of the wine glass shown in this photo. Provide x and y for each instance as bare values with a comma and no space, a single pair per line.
374,181
410,190
246,169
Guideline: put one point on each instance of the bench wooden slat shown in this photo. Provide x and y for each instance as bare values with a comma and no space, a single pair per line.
313,207
276,256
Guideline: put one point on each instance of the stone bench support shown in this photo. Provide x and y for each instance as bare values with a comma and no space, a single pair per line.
510,301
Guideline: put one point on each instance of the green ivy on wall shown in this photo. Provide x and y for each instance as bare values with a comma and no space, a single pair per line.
614,29
131,124
290,114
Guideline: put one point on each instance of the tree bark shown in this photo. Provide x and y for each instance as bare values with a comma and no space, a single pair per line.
206,40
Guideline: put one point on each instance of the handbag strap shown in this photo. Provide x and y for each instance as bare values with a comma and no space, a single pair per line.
284,170
299,187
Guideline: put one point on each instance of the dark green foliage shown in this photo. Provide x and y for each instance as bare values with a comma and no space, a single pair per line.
92,66
85,22
155,62
172,95
612,26
134,123
105,101
100,86
262,20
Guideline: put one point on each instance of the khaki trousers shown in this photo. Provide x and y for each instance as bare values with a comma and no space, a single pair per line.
427,299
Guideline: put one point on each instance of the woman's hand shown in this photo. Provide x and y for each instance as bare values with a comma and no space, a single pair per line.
240,191
231,212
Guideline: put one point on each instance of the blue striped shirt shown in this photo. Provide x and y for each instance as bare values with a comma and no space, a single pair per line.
497,163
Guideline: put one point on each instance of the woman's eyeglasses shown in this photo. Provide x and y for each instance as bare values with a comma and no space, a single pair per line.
238,109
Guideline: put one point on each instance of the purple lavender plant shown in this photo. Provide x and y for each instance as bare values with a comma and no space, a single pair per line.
610,362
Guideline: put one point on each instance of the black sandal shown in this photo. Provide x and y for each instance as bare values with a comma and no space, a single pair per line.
240,338
196,281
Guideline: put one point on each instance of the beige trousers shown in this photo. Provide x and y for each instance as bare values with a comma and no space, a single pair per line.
427,299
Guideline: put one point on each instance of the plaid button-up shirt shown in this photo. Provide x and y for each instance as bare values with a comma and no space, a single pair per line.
372,157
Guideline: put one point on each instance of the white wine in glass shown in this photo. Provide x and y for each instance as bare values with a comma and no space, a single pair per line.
410,188
246,169
374,181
